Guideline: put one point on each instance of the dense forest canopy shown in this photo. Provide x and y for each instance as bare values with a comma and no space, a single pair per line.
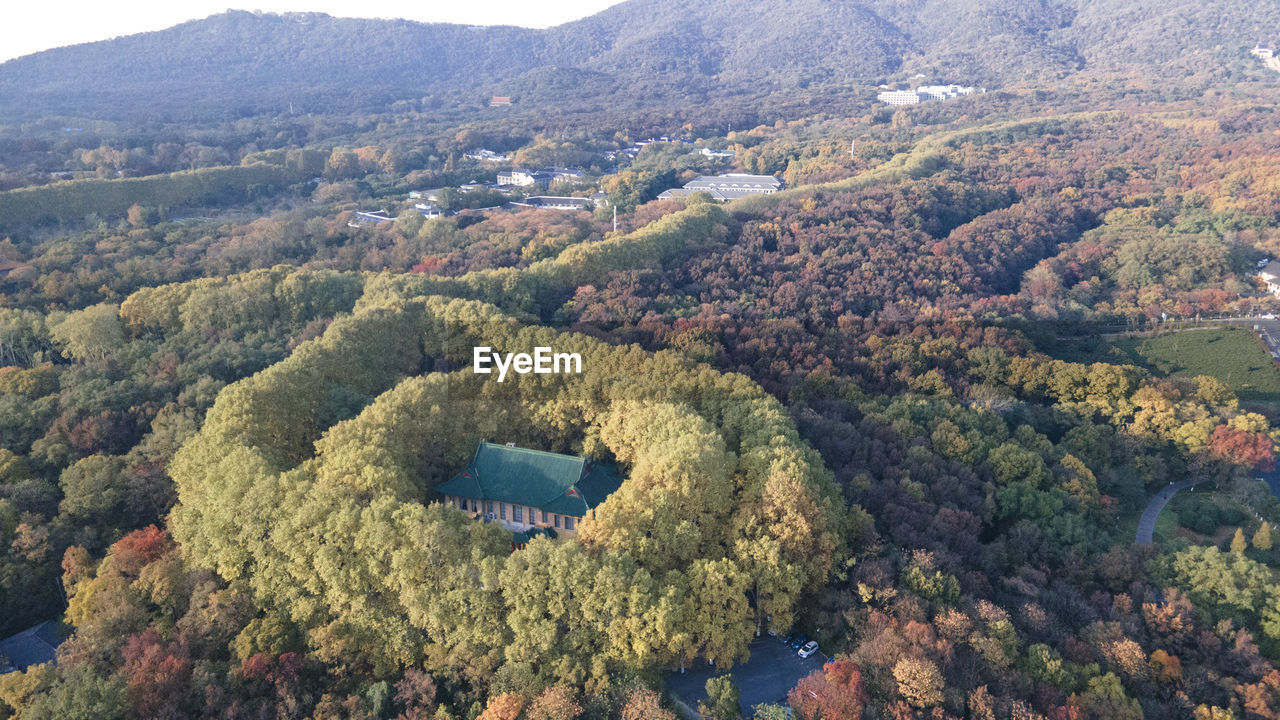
913,406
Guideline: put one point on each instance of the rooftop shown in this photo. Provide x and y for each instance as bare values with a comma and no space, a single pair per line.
734,180
728,186
562,484
33,646
555,202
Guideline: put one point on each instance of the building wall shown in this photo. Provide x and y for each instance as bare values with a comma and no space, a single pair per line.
899,97
505,513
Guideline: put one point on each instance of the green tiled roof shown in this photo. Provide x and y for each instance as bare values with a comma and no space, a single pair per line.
561,484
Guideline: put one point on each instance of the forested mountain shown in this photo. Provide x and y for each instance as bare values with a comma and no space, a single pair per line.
239,63
979,402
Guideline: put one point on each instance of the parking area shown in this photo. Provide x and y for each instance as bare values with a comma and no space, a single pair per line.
774,668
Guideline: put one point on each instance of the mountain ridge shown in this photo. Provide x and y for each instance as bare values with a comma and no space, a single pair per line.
240,63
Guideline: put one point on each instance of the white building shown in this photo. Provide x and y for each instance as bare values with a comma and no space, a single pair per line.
945,92
377,217
899,97
554,202
717,153
729,186
559,174
523,177
482,155
520,177
1262,52
429,210
925,93
1270,274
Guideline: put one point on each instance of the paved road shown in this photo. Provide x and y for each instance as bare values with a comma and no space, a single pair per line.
1147,525
1183,324
1269,330
767,677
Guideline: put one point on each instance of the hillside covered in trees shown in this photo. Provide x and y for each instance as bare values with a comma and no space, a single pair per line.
888,407
641,53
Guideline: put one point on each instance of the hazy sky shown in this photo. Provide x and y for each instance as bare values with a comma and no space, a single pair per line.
28,26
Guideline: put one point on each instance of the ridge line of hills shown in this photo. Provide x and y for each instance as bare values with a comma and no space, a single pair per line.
239,63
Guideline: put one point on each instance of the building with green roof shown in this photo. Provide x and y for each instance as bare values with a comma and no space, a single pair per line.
530,491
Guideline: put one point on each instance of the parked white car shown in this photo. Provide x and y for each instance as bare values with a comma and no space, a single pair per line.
809,648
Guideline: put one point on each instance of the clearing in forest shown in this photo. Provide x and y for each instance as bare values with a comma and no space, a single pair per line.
1232,355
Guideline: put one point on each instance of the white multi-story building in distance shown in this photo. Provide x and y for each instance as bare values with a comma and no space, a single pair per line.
926,92
899,97
944,92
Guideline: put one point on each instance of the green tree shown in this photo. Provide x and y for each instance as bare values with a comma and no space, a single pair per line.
1106,698
723,697
410,222
544,617
1262,538
89,334
94,490
83,695
919,681
19,689
140,216
770,711
449,198
676,501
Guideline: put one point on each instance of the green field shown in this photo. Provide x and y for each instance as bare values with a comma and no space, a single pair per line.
1233,355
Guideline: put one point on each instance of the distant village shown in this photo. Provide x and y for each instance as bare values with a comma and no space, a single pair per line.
517,188
575,189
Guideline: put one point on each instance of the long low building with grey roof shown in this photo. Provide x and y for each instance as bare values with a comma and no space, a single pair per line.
730,186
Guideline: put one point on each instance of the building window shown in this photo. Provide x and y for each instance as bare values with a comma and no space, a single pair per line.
544,516
502,511
488,506
568,523
557,518
517,513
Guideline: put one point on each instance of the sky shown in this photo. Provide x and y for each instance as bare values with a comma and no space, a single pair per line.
28,26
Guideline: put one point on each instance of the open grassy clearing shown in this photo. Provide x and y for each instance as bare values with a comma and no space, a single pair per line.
1232,355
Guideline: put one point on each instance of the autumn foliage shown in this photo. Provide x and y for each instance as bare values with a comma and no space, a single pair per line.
1252,449
835,691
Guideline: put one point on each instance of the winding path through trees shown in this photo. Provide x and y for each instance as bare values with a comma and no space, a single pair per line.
1147,525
